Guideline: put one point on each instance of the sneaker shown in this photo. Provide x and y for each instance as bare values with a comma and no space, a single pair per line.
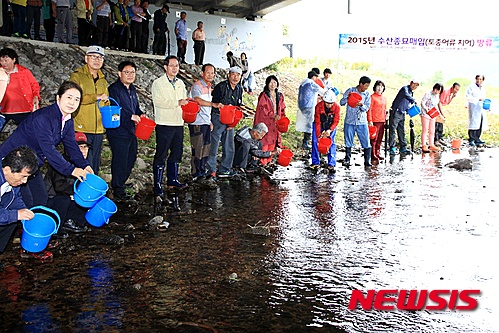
331,169
434,149
25,36
393,151
472,143
480,142
16,34
314,167
71,226
44,255
225,174
425,149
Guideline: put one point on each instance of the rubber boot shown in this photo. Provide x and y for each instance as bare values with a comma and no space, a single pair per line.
367,157
348,155
172,174
306,141
158,171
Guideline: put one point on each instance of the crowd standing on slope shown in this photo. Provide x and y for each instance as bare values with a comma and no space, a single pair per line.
76,121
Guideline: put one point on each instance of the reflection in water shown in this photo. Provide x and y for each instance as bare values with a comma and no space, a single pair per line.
37,319
397,226
102,311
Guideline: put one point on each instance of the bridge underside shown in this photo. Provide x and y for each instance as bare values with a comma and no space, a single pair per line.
249,9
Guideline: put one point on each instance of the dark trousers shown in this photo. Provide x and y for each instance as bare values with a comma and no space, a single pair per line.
6,232
144,39
7,27
168,138
181,49
19,18
84,32
124,150
95,140
136,31
34,14
102,30
199,48
396,125
200,143
34,192
159,44
474,135
49,26
121,37
439,131
67,209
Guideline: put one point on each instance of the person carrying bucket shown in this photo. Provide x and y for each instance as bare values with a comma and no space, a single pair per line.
430,102
60,189
94,86
326,119
168,96
17,166
122,139
228,92
43,131
396,120
356,119
249,148
200,129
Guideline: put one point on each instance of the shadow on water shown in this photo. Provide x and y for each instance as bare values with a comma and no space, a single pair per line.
275,255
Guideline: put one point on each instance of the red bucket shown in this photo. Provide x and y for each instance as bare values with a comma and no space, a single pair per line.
285,157
238,115
227,114
190,111
353,99
283,124
372,132
144,128
323,145
433,112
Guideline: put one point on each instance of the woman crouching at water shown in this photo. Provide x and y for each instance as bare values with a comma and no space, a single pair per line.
43,131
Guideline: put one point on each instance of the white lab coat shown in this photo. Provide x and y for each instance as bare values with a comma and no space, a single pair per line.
475,107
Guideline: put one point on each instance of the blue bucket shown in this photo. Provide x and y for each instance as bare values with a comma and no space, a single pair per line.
87,193
99,214
336,91
414,110
37,231
486,104
110,114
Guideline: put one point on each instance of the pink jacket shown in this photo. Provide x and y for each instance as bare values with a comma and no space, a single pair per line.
265,114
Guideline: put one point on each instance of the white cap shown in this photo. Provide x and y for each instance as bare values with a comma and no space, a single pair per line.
235,69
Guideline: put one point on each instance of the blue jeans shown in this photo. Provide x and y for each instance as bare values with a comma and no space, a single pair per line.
331,155
362,133
248,83
220,133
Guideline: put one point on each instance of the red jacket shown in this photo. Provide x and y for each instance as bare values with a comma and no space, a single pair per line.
320,109
265,114
377,112
20,91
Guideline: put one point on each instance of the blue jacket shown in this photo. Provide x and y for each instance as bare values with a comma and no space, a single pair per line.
403,99
129,106
41,131
10,203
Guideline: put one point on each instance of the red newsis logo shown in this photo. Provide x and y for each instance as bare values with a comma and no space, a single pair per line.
392,299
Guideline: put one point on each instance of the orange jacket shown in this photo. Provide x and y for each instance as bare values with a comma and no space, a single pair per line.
377,111
20,91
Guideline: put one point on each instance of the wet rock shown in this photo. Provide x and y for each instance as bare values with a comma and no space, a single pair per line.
155,221
106,177
461,164
111,240
137,286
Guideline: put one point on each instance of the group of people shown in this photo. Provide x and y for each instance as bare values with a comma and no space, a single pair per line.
73,120
76,121
367,116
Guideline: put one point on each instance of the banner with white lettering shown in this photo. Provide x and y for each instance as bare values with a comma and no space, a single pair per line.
419,43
